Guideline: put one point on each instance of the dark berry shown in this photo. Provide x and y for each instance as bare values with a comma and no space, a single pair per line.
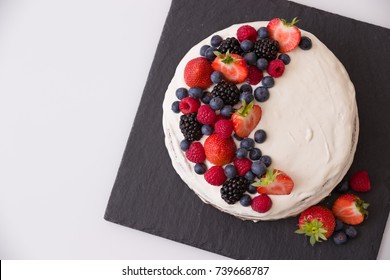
245,200
216,77
230,44
195,92
190,127
250,177
255,154
268,82
216,40
209,54
200,168
266,160
258,168
285,58
238,138
230,171
181,93
229,93
216,103
206,97
339,225
351,232
260,136
247,144
251,58
339,238
246,88
261,94
247,96
207,129
233,189
343,187
175,107
241,153
305,43
246,45
262,32
262,64
266,48
227,111
203,50
184,145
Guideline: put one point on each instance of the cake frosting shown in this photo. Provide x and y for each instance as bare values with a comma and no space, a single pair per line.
311,122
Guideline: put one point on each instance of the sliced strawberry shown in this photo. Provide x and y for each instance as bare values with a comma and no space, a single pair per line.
246,119
285,33
197,73
350,209
232,66
274,182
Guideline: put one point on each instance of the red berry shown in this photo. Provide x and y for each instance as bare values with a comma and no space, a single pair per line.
242,165
360,182
275,68
189,105
224,128
255,75
261,203
219,150
206,115
246,32
195,153
197,73
215,176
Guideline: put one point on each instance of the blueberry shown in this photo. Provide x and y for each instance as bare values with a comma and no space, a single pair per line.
206,97
339,238
241,153
200,168
247,96
261,94
216,77
210,55
263,32
251,58
268,82
285,58
230,171
262,64
216,103
260,136
343,187
207,129
305,43
249,188
238,138
255,154
250,177
247,144
351,232
246,45
246,87
181,93
195,92
216,40
175,107
184,145
266,160
245,200
227,111
203,50
258,168
339,225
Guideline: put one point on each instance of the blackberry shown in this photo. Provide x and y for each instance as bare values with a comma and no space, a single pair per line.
228,92
190,127
266,48
233,189
230,44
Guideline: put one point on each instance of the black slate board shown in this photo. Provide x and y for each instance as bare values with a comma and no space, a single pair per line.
149,196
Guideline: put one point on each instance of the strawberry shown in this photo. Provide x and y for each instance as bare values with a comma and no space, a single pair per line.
274,182
219,150
317,222
246,119
285,33
350,209
360,182
232,66
197,73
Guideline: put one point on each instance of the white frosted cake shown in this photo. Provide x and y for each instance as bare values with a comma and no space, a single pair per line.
310,119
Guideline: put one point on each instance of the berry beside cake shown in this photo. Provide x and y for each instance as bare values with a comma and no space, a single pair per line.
260,120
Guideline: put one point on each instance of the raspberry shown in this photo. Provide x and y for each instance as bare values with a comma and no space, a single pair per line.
224,128
255,75
275,68
261,203
215,176
360,182
195,153
243,165
246,32
206,115
189,105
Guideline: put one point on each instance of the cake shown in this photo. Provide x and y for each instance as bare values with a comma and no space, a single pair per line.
308,114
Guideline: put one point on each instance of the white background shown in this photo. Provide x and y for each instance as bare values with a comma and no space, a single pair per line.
71,77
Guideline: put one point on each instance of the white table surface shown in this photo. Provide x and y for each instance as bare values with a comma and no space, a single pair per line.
71,77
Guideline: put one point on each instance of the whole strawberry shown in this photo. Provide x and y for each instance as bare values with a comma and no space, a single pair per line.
317,222
197,73
350,209
360,182
219,150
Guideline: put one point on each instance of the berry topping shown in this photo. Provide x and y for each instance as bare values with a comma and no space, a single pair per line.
227,111
175,107
219,150
285,58
216,103
287,34
231,45
246,118
246,88
215,176
268,82
181,93
261,203
190,127
189,105
207,129
247,143
275,68
216,40
228,92
230,171
262,32
224,128
250,58
233,189
241,153
305,43
247,96
203,50
195,92
246,45
184,145
232,66
261,94
216,77
250,177
360,182
210,55
206,115
262,63
242,165
200,168
260,136
350,209
197,73
259,169
254,75
266,160
266,48
340,238
206,97
274,182
195,153
255,154
317,222
245,200
246,32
